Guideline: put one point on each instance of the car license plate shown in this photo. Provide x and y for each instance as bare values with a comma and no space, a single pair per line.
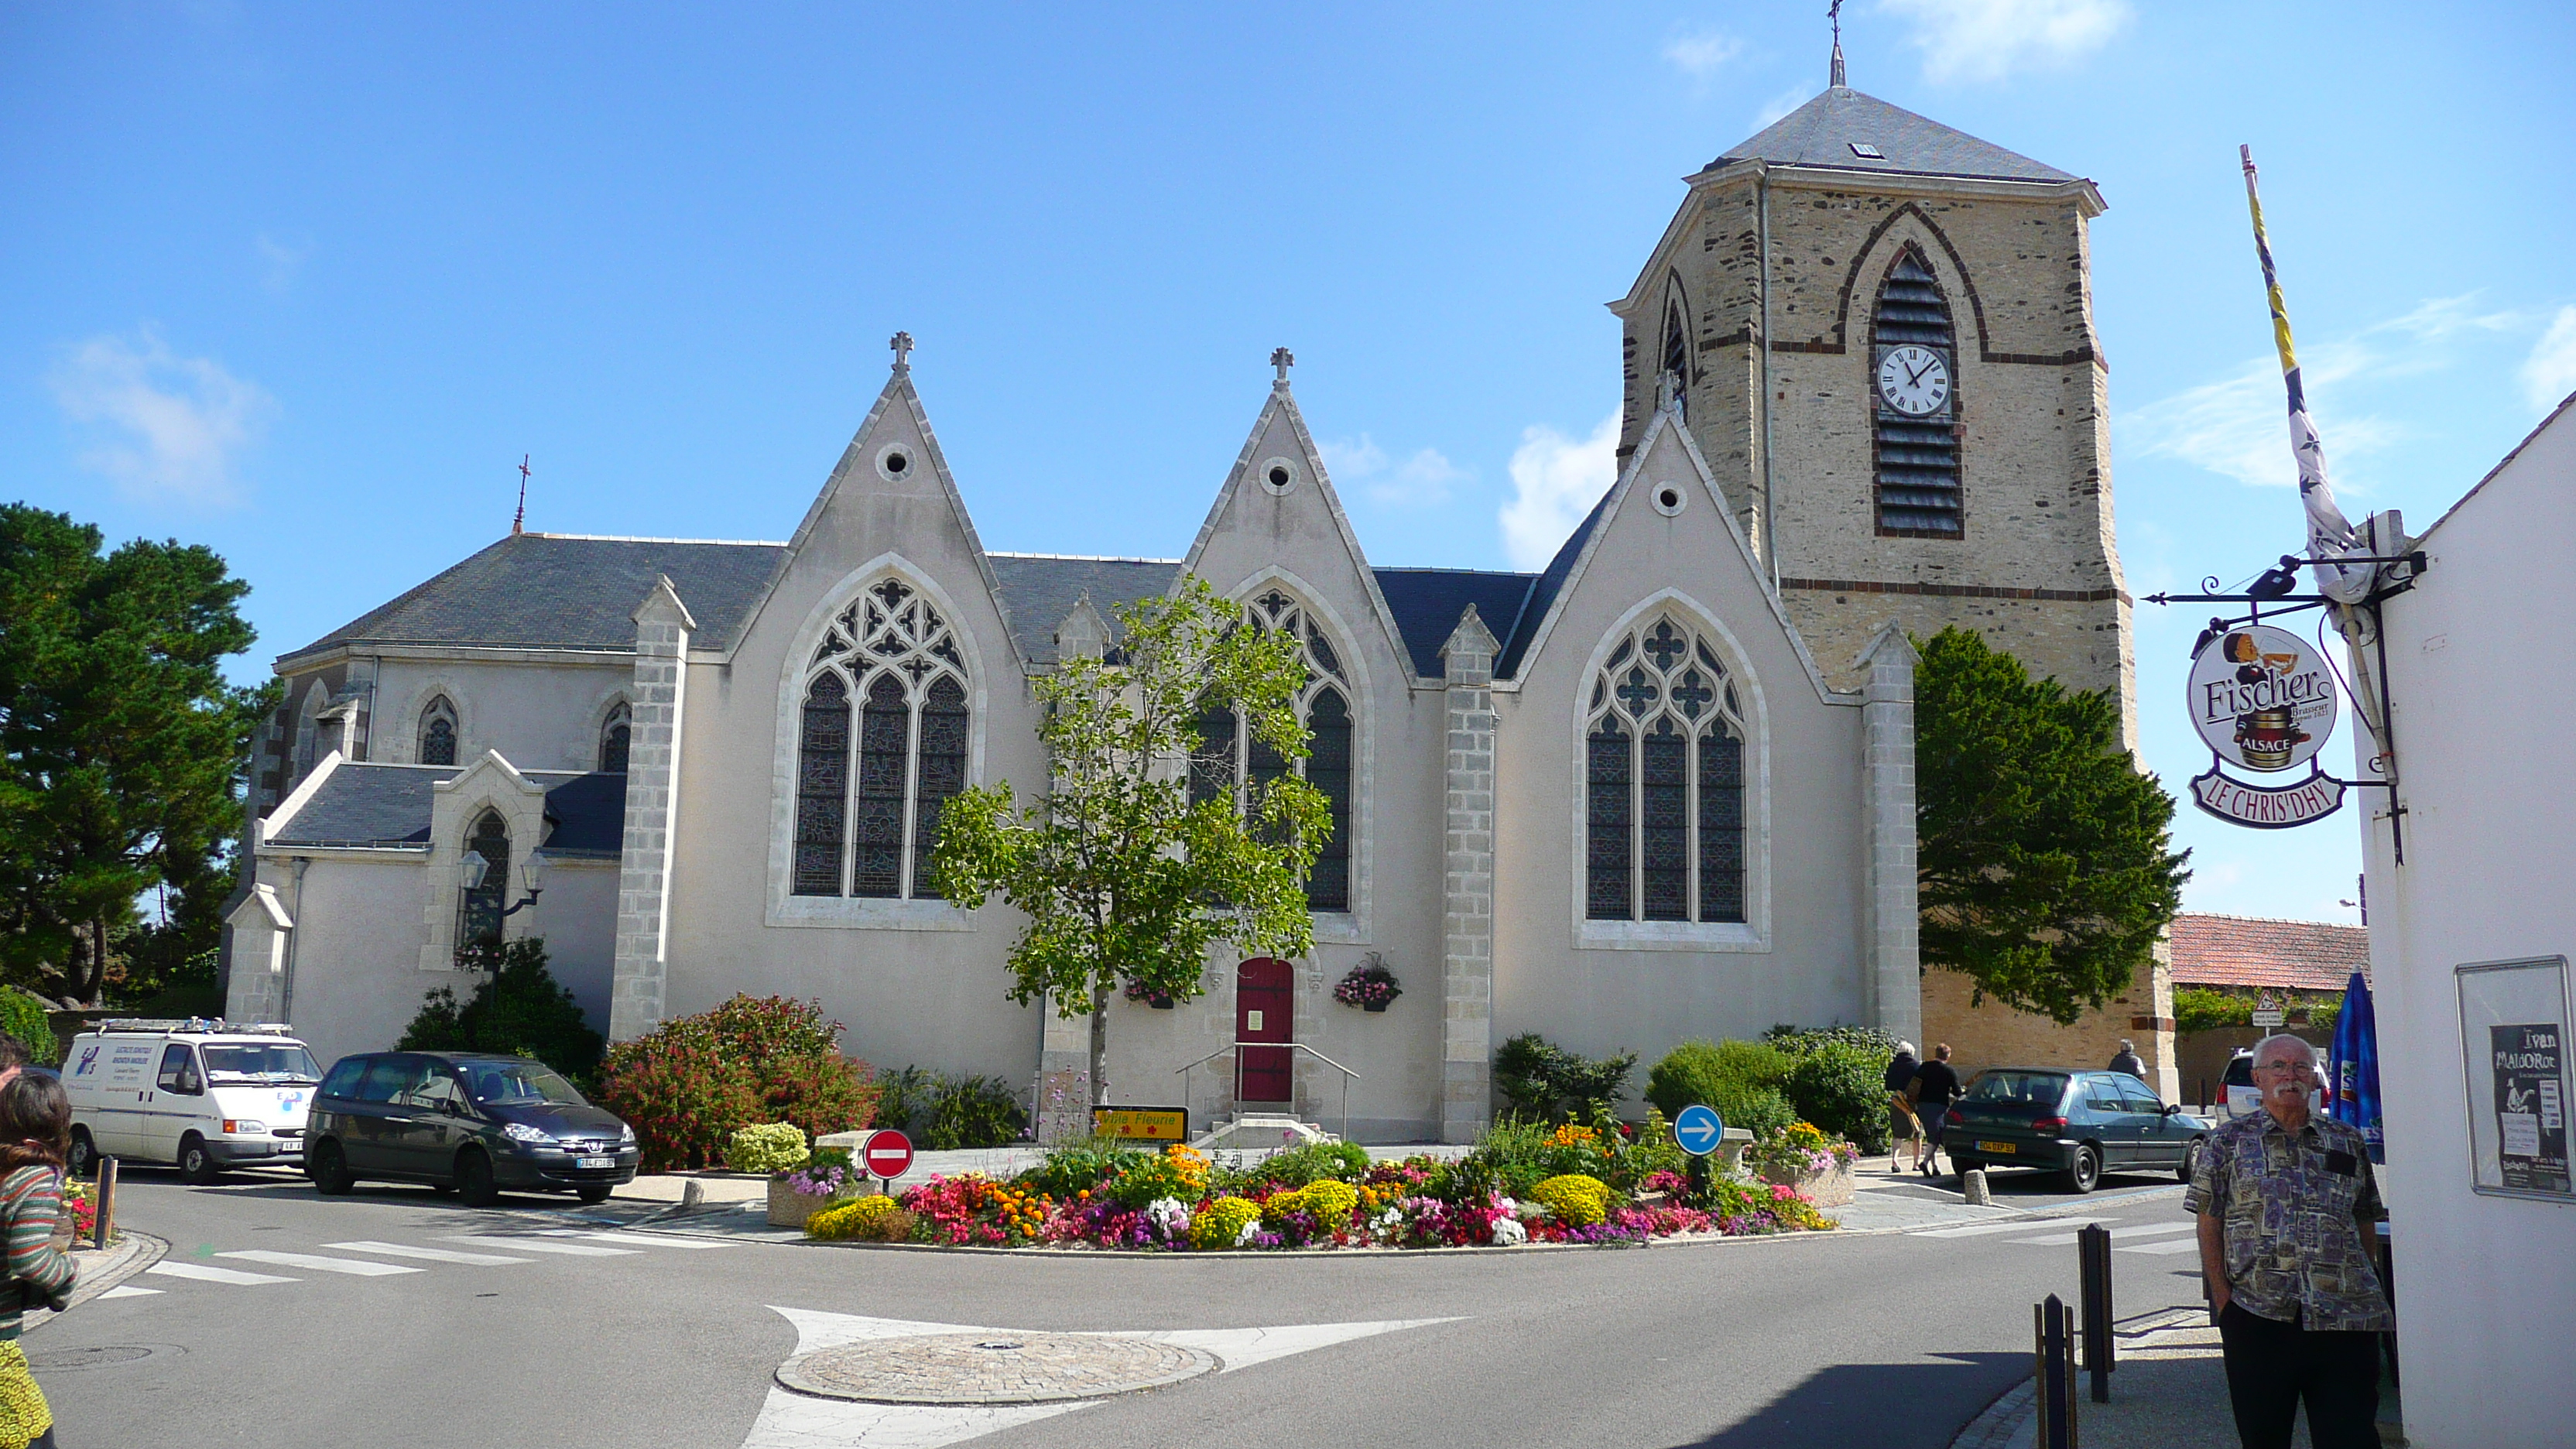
596,1162
2006,1148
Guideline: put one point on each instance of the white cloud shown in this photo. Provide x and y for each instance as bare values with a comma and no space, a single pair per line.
1986,40
1699,55
1781,105
2239,425
1421,480
281,261
169,427
2549,373
1555,481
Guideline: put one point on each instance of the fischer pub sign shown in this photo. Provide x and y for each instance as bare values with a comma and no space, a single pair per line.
2263,700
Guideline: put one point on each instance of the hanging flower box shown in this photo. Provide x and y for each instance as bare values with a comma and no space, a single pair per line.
1370,986
1158,1000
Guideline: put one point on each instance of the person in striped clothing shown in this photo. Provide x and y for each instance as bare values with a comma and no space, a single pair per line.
35,1133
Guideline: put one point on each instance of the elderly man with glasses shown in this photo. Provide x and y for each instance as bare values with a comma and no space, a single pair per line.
2288,1206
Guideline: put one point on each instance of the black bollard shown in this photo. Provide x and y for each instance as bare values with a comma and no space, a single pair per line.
106,1203
2093,1257
2055,1371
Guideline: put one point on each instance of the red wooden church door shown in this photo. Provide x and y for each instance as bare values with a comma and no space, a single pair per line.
1265,1006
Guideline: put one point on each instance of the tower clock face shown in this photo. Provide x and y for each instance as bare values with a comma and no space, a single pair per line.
1914,380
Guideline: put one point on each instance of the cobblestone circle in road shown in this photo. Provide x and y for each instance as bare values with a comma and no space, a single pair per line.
992,1368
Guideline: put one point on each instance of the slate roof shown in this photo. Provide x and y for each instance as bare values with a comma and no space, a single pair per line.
567,591
1040,589
1427,602
2260,951
1823,131
389,805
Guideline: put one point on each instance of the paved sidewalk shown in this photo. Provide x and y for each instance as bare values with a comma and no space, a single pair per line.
101,1270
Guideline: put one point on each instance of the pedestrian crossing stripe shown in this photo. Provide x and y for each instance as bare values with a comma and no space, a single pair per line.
128,1290
657,1240
209,1273
534,1244
427,1255
354,1267
2059,1240
2179,1245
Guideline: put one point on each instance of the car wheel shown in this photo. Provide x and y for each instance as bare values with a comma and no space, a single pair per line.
328,1166
474,1184
2190,1159
83,1159
597,1192
197,1161
2084,1172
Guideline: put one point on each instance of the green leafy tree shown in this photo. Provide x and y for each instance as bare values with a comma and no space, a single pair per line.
122,749
518,1009
1125,880
2043,852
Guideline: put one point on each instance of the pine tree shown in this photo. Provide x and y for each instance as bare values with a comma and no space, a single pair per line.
2043,852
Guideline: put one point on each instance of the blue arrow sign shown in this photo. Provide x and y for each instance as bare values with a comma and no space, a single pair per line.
1698,1130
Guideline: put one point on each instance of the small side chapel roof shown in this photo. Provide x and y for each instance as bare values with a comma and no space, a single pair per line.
1824,131
1427,603
1039,589
368,804
567,591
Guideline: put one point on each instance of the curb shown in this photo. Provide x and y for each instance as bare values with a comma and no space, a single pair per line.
133,1253
2002,1421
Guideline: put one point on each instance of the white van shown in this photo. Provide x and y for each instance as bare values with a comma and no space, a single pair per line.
203,1094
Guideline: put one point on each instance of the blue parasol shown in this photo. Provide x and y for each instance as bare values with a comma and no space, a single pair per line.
2356,1067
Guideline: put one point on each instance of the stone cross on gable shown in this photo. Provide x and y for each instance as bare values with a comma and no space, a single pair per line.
1282,359
901,342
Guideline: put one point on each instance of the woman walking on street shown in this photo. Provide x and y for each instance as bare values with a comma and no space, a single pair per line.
1900,1116
1935,1088
35,1133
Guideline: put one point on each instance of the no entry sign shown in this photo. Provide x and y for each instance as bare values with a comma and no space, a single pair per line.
887,1154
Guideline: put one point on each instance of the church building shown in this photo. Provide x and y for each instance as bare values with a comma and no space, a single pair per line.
1660,790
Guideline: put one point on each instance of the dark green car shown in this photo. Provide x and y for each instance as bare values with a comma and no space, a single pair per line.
2077,1124
468,1121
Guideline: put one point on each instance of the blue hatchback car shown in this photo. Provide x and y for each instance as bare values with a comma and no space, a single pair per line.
2077,1124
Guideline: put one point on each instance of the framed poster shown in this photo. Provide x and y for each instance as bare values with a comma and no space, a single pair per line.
2513,1042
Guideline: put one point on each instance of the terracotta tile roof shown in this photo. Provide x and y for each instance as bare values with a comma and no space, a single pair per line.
2260,951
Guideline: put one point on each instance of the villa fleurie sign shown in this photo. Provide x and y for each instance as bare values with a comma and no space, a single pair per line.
2263,700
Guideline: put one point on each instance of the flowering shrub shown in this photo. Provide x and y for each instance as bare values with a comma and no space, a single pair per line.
683,1098
1577,1200
770,1147
1326,1203
875,1218
1368,984
1223,1223
1799,1151
689,1083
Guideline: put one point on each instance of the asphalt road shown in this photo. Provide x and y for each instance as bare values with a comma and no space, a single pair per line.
1886,1340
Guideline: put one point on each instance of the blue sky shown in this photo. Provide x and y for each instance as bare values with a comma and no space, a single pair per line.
304,283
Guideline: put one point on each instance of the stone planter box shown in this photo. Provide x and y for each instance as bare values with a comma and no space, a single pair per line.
789,1208
1829,1188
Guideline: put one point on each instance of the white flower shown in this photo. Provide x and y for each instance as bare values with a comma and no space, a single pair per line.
1508,1232
1169,1215
1245,1236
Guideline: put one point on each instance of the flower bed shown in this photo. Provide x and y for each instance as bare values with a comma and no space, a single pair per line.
1808,1160
1589,1185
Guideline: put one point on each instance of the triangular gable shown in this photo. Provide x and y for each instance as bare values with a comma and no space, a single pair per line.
896,414
1664,432
1282,405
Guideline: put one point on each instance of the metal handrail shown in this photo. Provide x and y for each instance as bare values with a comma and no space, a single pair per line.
1348,1076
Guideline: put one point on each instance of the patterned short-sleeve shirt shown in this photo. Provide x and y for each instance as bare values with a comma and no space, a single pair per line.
2291,1209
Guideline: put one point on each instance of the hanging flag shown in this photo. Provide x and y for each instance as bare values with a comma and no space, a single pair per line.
2356,1067
2330,534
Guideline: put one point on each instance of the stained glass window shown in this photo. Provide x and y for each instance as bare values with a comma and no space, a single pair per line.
822,786
438,732
479,912
1228,753
1664,782
613,738
943,772
868,799
885,749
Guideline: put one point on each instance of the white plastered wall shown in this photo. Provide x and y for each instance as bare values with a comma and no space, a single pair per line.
541,714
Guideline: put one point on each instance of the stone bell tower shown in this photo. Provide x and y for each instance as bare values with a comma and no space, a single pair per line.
1880,332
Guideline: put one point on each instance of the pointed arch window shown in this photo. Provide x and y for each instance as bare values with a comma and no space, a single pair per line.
1227,752
478,911
616,732
868,800
1673,369
1664,782
438,732
1914,405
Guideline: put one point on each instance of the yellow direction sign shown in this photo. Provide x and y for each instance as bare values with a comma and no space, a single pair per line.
1142,1124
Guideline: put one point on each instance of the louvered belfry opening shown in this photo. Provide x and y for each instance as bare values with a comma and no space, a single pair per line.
1918,457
